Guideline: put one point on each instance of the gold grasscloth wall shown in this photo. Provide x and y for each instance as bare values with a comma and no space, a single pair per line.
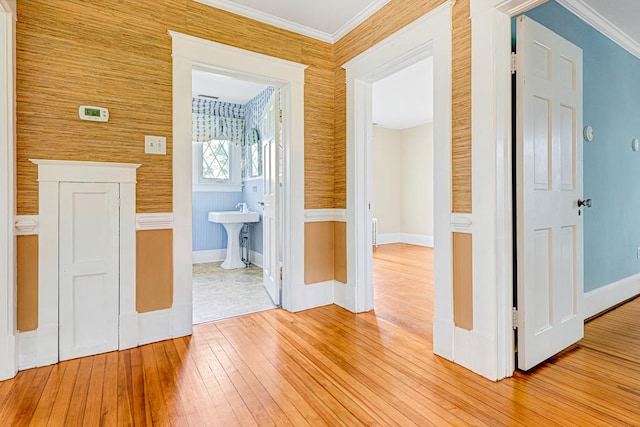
118,55
395,15
27,272
461,107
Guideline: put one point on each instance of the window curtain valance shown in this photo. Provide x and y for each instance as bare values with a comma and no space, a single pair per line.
217,120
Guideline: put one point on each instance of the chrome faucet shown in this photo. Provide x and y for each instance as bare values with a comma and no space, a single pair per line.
243,207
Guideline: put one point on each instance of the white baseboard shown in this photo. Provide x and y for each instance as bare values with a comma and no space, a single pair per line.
213,255
182,320
411,239
128,331
608,296
256,258
27,350
312,296
443,332
8,363
475,352
154,326
344,295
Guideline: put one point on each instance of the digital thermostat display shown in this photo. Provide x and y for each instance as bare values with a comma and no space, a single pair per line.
96,114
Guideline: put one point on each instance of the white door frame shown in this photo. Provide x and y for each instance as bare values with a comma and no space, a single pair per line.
8,348
187,52
430,35
491,148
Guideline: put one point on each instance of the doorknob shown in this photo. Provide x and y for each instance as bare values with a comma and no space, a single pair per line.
586,203
261,204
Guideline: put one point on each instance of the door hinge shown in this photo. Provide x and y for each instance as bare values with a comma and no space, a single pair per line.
513,63
514,318
280,273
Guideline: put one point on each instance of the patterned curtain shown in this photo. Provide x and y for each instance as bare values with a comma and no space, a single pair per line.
217,120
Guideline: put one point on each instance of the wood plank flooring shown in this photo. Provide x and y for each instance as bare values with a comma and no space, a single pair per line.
330,367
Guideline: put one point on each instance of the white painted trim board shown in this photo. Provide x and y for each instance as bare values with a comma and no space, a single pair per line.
50,174
8,346
608,296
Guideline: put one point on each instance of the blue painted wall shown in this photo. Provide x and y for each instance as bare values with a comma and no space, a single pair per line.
611,169
209,235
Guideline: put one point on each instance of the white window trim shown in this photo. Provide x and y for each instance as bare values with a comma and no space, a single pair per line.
234,184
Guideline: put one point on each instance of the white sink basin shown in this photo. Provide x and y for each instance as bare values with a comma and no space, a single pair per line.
233,221
229,217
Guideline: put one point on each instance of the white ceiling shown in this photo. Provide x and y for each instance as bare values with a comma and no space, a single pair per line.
227,89
326,20
405,99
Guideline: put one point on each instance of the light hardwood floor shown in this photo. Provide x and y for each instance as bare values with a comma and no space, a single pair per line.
329,367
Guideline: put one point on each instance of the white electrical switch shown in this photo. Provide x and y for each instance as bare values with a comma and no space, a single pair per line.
155,144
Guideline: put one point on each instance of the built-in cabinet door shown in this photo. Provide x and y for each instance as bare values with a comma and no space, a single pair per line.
89,269
270,224
549,185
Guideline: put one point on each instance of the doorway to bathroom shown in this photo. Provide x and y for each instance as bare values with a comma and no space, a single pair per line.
236,181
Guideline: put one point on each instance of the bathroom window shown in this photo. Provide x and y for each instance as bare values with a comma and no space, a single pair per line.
216,160
255,159
216,166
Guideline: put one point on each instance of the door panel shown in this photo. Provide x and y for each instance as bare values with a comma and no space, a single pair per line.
89,269
270,227
549,184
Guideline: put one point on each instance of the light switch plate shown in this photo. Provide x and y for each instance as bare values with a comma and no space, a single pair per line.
155,144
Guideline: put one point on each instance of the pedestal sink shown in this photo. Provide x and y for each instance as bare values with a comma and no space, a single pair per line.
233,222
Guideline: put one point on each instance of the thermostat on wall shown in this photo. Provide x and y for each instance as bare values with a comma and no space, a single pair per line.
95,114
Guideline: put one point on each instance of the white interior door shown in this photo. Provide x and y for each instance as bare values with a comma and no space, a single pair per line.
271,122
549,184
89,269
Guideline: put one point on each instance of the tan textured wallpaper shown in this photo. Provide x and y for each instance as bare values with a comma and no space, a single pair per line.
154,270
27,272
118,55
319,252
463,281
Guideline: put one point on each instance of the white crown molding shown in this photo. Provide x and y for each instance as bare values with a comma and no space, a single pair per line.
268,19
602,24
26,225
154,221
358,19
324,215
510,7
294,27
